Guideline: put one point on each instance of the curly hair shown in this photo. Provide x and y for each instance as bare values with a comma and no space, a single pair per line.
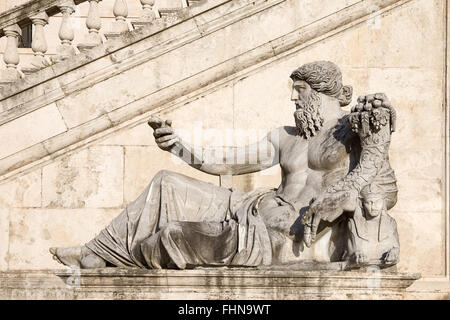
324,77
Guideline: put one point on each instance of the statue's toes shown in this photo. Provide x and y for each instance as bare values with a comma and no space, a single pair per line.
54,255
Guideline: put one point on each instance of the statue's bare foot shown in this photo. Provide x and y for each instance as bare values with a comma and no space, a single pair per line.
70,257
392,256
78,257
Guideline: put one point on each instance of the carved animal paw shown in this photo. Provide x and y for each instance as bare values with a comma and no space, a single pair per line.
392,256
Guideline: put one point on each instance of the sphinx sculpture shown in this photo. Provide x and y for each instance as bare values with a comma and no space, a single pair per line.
180,222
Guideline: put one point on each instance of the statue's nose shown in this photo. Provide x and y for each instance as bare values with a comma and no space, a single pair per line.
294,95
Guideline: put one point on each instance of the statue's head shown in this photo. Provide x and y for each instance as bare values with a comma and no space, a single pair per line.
372,198
310,82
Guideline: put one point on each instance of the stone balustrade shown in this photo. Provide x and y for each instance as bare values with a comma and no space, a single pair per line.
37,13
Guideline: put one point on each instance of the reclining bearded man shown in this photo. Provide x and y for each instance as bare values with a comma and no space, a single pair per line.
182,222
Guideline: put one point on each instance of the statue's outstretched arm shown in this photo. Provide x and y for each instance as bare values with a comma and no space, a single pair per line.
373,119
218,160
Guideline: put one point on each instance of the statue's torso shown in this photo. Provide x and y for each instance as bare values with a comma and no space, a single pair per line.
309,166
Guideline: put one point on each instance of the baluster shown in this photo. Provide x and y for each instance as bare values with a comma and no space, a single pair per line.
93,23
120,11
11,55
66,34
148,15
38,44
147,10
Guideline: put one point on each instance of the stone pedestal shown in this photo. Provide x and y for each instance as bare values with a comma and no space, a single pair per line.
208,283
8,76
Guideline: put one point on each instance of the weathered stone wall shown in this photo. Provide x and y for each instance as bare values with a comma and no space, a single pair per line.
67,200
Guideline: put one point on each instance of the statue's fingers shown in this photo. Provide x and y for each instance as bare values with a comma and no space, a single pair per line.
307,216
155,122
307,236
163,131
166,138
168,122
168,144
314,225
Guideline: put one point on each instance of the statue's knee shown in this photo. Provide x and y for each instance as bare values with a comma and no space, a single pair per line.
170,230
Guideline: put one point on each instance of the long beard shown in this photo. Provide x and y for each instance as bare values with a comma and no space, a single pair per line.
308,117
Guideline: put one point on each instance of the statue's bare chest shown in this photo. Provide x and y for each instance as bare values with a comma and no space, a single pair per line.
321,153
294,155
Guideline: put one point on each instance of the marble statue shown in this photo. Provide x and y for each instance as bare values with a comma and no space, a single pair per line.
180,222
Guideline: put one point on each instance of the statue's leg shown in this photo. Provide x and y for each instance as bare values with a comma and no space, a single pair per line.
184,244
169,197
78,257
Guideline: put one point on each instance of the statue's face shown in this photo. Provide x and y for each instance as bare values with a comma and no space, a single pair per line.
308,102
373,206
300,92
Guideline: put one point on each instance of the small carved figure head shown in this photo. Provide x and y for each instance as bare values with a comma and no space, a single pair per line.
372,198
311,80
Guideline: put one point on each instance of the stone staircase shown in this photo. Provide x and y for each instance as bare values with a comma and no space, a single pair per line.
38,12
163,52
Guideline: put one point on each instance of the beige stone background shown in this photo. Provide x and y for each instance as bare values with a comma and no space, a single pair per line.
402,53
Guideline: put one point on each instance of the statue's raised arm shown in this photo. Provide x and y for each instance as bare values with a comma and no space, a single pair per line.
218,160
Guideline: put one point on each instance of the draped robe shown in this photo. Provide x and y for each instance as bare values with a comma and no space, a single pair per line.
179,222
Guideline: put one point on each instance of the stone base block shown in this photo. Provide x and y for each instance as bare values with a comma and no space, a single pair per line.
194,2
142,23
8,76
203,283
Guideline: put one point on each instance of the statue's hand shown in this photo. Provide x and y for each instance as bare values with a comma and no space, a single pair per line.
164,134
328,206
